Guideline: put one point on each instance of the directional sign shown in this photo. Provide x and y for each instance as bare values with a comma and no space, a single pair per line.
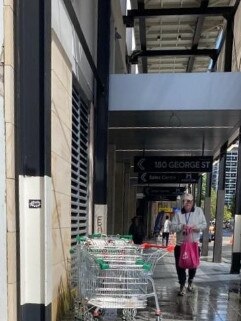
159,178
181,164
164,191
165,198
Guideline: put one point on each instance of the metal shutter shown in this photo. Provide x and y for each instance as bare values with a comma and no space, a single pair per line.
79,166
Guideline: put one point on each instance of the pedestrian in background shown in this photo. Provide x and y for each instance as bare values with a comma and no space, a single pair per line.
158,224
137,230
166,231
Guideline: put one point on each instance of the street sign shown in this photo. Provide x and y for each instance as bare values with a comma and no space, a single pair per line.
164,191
181,164
159,198
160,178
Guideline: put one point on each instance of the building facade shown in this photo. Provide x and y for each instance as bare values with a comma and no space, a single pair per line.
230,175
56,58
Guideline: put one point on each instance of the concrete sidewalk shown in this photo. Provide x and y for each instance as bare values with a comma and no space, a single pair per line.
216,296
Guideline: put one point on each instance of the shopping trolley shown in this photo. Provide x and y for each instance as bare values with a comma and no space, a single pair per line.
112,273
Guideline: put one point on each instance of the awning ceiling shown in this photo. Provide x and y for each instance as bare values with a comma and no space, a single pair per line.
178,40
179,35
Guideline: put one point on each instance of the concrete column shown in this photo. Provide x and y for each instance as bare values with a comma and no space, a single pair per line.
132,203
111,189
126,199
236,251
217,250
101,104
119,202
199,191
152,218
3,218
207,212
35,248
101,118
33,157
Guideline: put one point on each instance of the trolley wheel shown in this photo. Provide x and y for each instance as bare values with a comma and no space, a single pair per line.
88,317
129,314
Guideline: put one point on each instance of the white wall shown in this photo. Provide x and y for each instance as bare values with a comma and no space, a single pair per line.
237,41
118,44
195,91
3,244
61,25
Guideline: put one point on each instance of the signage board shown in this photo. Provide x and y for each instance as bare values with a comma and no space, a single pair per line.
34,203
160,198
166,209
152,178
164,191
100,219
181,164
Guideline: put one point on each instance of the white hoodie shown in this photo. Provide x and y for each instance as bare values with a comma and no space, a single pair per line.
195,218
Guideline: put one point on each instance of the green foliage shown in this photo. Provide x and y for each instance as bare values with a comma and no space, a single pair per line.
204,183
213,203
232,207
227,214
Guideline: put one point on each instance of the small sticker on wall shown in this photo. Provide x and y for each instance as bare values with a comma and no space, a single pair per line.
34,203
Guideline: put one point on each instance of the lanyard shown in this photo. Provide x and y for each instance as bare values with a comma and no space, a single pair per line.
187,219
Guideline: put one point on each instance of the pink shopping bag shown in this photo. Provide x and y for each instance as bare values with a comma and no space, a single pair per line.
189,255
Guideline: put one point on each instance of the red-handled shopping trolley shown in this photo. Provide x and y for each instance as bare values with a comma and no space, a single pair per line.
112,273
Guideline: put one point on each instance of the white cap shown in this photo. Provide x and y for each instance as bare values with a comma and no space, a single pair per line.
188,197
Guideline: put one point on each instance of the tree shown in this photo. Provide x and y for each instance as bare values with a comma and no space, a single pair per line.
213,203
227,214
232,206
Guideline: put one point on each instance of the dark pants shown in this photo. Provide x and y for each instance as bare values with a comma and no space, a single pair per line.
165,236
137,240
181,273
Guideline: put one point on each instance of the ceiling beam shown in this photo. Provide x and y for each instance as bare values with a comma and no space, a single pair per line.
142,32
229,40
197,35
228,46
198,12
227,34
212,53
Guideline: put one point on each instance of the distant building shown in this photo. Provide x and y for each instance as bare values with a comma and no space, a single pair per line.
215,175
230,175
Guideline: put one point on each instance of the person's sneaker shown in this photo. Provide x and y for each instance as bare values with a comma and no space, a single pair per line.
182,290
190,287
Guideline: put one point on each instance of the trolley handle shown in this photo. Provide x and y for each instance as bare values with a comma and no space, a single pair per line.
169,248
127,237
97,236
80,239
